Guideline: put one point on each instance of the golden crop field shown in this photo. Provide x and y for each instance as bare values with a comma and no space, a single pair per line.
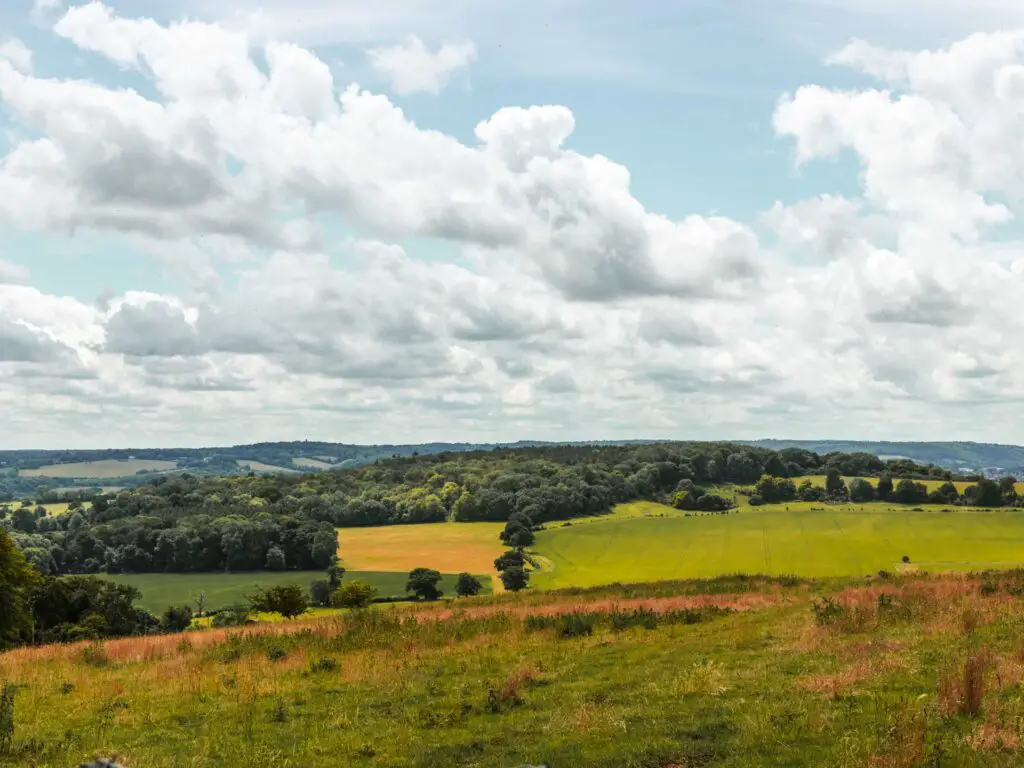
104,468
446,547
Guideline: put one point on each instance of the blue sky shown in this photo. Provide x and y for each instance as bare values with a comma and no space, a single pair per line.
689,219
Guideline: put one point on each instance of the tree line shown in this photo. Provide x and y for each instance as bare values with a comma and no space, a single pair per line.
191,523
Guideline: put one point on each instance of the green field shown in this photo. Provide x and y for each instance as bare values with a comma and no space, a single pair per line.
105,468
259,466
806,539
160,590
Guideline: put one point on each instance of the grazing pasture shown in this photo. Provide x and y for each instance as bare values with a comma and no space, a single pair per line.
104,468
805,539
931,485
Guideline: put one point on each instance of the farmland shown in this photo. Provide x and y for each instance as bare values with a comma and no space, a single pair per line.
727,673
104,468
259,466
805,539
160,590
446,547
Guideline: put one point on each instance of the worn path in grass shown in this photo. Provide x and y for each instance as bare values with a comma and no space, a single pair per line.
805,540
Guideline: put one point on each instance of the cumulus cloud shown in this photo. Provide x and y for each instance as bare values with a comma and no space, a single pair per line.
560,305
17,53
410,67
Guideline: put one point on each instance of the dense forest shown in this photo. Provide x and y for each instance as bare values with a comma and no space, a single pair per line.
190,523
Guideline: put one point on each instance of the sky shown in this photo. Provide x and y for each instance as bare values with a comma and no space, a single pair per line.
447,220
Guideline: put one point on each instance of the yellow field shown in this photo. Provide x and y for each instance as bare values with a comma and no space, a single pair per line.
106,468
308,463
60,508
445,547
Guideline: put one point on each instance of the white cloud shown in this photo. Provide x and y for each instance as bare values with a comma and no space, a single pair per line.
410,67
563,308
17,53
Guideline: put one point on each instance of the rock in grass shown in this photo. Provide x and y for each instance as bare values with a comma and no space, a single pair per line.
101,764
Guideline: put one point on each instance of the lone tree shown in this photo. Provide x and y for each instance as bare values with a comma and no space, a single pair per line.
335,572
467,585
289,600
423,583
883,491
356,594
201,602
515,578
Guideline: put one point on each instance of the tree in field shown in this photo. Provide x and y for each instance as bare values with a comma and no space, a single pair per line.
511,559
201,602
16,578
883,491
861,490
320,593
423,583
515,578
467,585
335,572
909,492
356,594
775,489
289,600
834,485
177,618
984,493
944,494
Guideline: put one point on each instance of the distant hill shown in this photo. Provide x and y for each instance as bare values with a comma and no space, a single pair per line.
952,455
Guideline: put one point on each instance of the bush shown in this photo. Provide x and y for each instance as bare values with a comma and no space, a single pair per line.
177,618
756,500
276,653
320,593
511,559
468,585
289,600
232,616
355,594
577,624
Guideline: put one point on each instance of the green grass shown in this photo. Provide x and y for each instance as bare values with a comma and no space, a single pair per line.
762,687
931,485
160,590
806,539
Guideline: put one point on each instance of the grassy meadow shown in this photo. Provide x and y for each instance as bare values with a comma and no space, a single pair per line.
646,542
912,670
104,468
160,590
931,485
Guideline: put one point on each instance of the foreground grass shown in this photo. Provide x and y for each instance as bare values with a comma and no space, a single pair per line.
160,590
914,670
645,543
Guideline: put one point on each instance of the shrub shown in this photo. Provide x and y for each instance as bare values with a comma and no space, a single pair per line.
323,665
289,600
827,612
95,655
905,558
355,594
232,616
577,624
177,618
756,500
320,593
276,653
